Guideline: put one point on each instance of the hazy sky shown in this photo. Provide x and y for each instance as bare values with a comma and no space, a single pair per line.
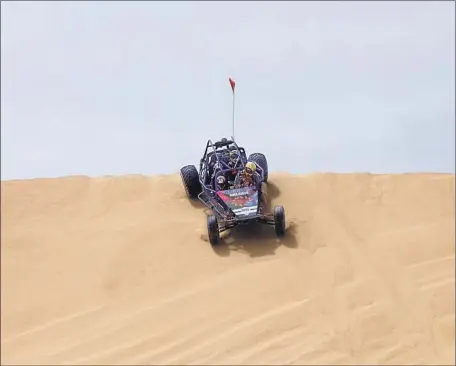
108,88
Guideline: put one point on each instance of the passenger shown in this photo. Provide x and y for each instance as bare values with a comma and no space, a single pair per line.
248,177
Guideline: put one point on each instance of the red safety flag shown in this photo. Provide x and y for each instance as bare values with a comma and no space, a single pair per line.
232,83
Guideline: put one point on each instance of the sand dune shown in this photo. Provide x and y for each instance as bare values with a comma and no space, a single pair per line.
117,271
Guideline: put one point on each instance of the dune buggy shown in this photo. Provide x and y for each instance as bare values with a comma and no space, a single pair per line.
232,206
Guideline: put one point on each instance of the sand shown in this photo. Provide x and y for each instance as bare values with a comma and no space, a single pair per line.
118,270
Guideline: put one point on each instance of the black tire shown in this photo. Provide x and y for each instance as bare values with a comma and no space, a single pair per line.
190,180
261,160
279,220
213,230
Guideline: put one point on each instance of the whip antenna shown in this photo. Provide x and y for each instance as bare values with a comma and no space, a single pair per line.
233,85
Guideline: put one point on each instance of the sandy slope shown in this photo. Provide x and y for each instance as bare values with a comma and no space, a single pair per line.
115,270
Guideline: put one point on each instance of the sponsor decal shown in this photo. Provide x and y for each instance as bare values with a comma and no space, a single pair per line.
236,194
245,211
242,201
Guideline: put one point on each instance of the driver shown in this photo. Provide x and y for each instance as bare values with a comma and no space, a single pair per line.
222,184
248,177
233,157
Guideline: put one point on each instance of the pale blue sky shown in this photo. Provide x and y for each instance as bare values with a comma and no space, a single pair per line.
108,88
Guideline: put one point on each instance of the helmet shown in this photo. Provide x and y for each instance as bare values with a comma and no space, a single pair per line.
233,156
250,167
221,179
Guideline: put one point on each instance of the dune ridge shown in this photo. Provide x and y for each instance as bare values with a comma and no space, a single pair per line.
118,270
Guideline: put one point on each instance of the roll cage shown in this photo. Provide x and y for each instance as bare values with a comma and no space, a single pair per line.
211,158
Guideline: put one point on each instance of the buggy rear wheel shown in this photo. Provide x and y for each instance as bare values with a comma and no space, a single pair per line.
190,180
261,160
279,220
213,230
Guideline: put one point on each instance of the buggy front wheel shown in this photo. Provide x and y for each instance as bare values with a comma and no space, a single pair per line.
279,220
213,230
